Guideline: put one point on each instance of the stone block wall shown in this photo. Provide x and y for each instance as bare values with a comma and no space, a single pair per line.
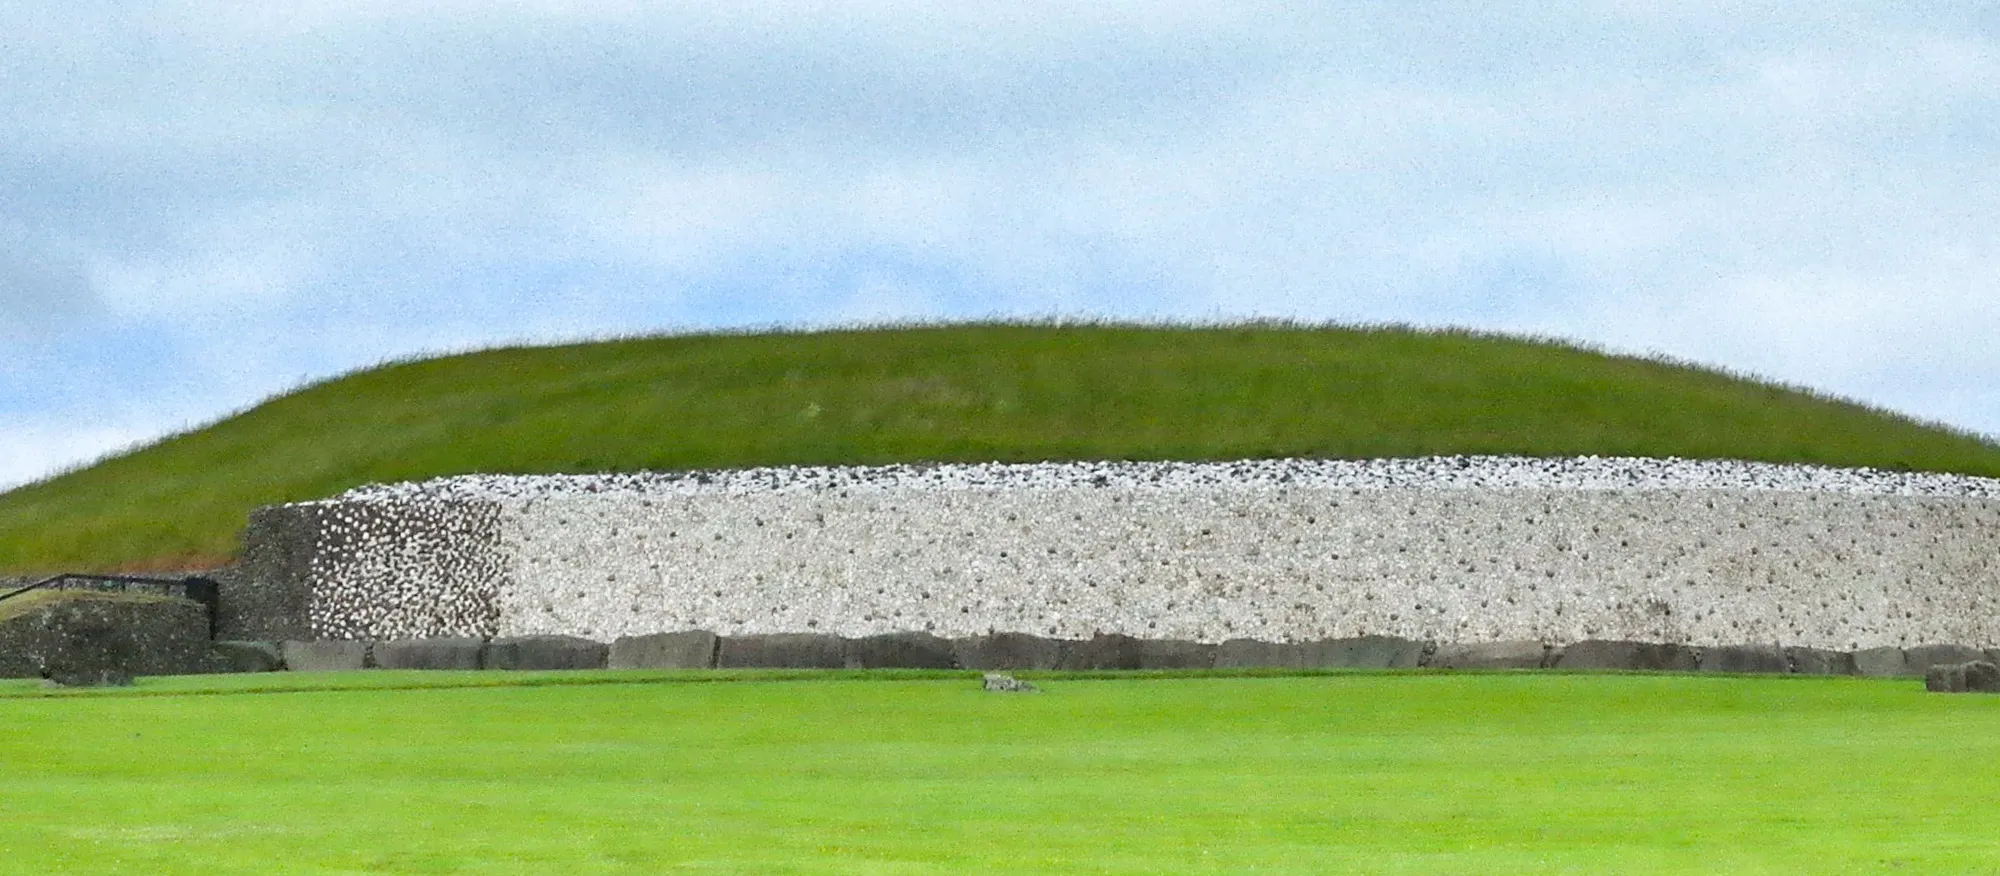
1457,550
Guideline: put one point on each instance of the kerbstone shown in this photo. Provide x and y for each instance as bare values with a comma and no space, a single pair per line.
440,653
901,651
1490,655
247,656
1820,661
1745,658
326,655
686,649
1883,662
1612,654
1945,678
782,651
1102,651
1364,652
545,653
1008,651
1255,653
1982,676
1923,657
1175,654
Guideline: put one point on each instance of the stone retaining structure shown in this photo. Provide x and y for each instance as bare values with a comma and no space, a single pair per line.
1467,550
700,649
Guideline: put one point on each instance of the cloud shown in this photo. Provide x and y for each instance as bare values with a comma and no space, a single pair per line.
263,196
40,290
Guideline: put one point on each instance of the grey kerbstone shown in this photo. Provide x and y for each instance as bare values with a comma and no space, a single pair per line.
1000,682
782,651
545,653
1820,661
1923,657
1254,653
1008,651
1490,655
901,651
1102,651
439,653
1974,676
247,656
1610,654
1945,678
1884,662
1745,658
1365,652
687,649
1982,676
1175,654
325,655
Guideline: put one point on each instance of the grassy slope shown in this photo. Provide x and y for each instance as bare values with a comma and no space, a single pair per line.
1412,773
950,393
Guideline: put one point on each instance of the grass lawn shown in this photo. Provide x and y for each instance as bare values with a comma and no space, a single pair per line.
915,773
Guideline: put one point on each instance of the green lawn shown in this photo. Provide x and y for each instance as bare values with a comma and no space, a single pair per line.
946,393
1383,773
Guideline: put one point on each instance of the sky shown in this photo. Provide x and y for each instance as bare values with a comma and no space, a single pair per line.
203,204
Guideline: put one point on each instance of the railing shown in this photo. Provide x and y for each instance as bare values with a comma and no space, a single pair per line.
203,590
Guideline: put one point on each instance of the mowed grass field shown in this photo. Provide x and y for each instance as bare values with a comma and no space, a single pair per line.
600,773
955,393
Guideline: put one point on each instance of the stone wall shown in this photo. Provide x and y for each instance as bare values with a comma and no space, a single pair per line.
1457,550
81,635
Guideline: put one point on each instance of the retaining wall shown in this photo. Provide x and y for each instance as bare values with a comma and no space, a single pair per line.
1458,550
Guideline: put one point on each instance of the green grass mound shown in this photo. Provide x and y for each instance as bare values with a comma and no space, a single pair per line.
1376,773
948,393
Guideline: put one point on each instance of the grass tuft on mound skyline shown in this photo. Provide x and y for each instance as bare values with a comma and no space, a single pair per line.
955,393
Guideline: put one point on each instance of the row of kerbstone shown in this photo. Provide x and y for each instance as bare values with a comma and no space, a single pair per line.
699,649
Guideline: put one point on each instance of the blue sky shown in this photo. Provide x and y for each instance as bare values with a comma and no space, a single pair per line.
204,203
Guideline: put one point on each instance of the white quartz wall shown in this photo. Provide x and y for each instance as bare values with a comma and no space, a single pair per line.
1276,551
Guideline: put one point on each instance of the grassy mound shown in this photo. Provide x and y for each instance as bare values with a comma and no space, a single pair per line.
1414,773
949,393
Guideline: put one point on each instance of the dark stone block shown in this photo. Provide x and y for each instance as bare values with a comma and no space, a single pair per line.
449,653
782,651
545,652
1982,676
326,655
1611,654
1102,651
1882,662
1945,678
1365,652
1175,654
1745,658
1251,654
901,651
1923,657
1490,655
688,649
1008,651
247,657
1819,661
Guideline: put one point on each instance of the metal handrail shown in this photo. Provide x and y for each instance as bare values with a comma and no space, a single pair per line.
202,590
